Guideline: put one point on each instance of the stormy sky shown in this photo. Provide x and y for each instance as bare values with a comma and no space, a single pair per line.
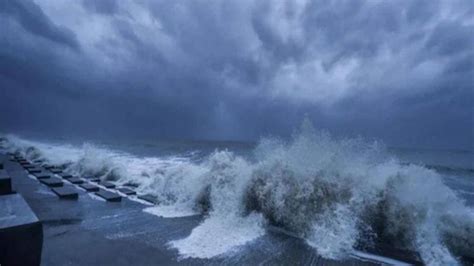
398,71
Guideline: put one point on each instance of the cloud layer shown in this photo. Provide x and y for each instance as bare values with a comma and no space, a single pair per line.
400,71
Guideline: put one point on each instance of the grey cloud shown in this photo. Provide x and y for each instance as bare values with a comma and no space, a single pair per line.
32,18
105,7
450,38
398,71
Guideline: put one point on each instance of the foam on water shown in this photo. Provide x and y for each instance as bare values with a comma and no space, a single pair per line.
339,195
171,211
220,235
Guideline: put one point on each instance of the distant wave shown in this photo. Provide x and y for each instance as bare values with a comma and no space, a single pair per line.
449,169
339,195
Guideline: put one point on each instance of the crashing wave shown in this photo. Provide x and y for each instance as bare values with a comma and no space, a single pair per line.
339,195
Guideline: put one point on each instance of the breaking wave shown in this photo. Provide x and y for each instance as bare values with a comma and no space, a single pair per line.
338,194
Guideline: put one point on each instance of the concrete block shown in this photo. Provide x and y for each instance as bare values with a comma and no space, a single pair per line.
93,179
65,175
29,166
52,182
42,175
55,170
131,184
75,180
109,196
149,198
21,233
89,187
5,183
19,158
107,184
127,191
65,192
34,170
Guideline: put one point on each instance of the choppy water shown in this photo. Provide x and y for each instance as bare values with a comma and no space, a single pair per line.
340,195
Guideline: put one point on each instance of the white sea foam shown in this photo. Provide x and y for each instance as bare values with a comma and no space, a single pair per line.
220,235
171,211
336,194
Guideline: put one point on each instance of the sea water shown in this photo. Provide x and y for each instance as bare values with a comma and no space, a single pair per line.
340,195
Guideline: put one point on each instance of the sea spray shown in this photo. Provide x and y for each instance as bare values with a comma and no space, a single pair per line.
338,194
227,226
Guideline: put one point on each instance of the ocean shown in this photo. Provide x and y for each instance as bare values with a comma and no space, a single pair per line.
340,195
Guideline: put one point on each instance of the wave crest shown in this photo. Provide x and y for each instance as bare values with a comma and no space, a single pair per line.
339,195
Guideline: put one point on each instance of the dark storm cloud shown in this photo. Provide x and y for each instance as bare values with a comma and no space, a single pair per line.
399,71
32,18
102,6
449,38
